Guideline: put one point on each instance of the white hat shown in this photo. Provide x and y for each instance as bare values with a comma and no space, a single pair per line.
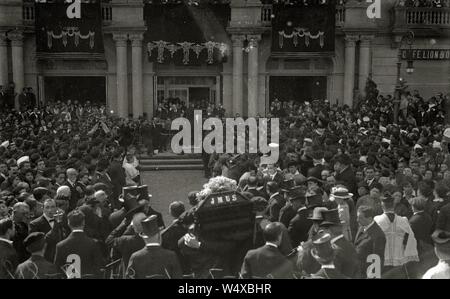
5,144
417,146
447,134
386,140
307,140
382,129
23,160
437,144
366,118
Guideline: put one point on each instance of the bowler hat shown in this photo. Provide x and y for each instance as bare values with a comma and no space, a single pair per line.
314,179
150,226
322,250
317,213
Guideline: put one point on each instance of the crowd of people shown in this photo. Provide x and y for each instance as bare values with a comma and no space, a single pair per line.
353,195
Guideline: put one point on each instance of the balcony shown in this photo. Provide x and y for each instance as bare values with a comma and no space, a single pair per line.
28,13
423,20
266,15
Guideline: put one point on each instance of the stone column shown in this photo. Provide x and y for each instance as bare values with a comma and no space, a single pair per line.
238,64
253,72
3,60
16,38
136,63
364,61
349,74
121,74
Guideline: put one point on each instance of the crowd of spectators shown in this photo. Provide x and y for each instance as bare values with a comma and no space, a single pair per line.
345,176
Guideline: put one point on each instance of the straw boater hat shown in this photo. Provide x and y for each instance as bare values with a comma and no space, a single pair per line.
340,192
441,239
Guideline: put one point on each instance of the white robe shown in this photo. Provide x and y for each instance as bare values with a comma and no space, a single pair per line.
395,253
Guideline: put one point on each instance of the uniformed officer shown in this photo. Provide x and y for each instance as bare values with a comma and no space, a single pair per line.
36,267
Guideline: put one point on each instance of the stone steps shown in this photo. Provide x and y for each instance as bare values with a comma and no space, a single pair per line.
170,161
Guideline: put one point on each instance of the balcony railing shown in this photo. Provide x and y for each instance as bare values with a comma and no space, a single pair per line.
267,13
425,17
28,13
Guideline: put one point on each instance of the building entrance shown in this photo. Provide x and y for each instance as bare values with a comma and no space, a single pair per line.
81,89
297,88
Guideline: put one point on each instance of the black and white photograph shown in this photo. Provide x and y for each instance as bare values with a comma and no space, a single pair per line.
235,141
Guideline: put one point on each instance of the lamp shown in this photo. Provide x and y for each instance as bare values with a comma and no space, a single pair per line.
410,67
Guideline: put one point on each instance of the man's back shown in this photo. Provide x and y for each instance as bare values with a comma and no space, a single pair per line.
78,245
37,267
265,262
8,260
154,262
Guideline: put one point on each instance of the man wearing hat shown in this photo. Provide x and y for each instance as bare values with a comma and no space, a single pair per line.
276,201
36,267
125,245
324,253
344,172
401,245
346,257
153,261
295,198
441,241
268,261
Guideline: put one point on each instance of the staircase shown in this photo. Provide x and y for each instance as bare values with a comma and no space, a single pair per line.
170,161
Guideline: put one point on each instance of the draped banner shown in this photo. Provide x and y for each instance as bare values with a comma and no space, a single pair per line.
187,34
59,35
303,28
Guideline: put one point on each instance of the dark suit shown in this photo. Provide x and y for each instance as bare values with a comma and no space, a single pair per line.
171,235
316,171
276,202
327,273
95,227
371,241
87,249
265,262
286,214
74,194
117,175
40,224
421,225
37,267
21,233
125,245
347,177
154,262
346,261
8,260
299,227
256,192
117,217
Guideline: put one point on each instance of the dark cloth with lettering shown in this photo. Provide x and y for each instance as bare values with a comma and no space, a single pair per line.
266,262
37,267
154,262
88,251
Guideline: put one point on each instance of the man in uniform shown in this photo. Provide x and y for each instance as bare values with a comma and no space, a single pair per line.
324,254
153,261
36,267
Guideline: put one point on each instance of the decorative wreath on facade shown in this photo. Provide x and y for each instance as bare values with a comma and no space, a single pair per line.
186,47
72,32
301,32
